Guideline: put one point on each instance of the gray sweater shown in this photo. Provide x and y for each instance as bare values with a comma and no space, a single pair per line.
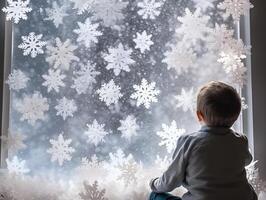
210,164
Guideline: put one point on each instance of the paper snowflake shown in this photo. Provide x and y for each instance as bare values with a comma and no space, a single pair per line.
186,100
204,4
169,136
87,32
17,9
92,192
60,150
109,93
61,55
118,158
95,133
17,166
53,80
145,93
32,107
119,59
162,163
32,45
244,105
56,14
143,41
66,108
93,162
129,127
150,9
239,76
83,5
14,142
235,8
17,80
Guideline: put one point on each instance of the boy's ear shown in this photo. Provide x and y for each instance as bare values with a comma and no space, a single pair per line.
200,116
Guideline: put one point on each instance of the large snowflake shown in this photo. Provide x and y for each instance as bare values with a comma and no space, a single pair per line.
66,108
32,107
61,55
150,9
109,93
17,166
143,41
119,59
60,150
32,45
17,80
235,8
92,192
14,142
87,32
129,127
145,93
56,14
17,9
186,100
169,136
53,80
95,133
83,5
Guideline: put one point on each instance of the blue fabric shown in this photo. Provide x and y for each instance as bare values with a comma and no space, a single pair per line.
163,196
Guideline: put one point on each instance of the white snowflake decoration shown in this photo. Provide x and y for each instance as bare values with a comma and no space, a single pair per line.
56,14
17,9
61,55
60,150
17,80
87,32
83,5
14,142
169,136
243,103
162,163
53,80
150,9
118,158
235,8
109,93
119,59
186,100
32,107
17,166
32,45
239,76
143,41
145,93
92,192
95,133
129,127
204,4
66,108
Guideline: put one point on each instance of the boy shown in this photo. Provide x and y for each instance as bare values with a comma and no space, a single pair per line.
210,163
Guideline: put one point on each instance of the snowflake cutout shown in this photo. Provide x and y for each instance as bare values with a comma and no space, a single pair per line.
32,45
17,9
235,8
239,76
92,192
17,80
17,166
66,108
244,105
129,127
118,158
60,150
145,93
14,142
169,136
87,32
32,107
162,163
95,133
61,55
109,93
119,59
149,9
56,14
143,41
53,80
83,5
204,4
186,100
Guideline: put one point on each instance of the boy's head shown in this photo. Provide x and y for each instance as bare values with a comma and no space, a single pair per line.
218,104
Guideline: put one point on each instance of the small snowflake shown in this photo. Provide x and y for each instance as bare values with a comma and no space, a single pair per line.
32,107
66,108
119,59
129,127
162,163
32,45
235,8
93,162
17,9
87,32
17,80
243,103
83,5
117,158
53,80
92,192
16,166
14,142
143,41
95,133
56,14
60,150
145,93
169,136
204,4
109,93
149,9
239,76
186,100
61,55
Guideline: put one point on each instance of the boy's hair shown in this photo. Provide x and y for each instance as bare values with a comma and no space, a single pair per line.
219,104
